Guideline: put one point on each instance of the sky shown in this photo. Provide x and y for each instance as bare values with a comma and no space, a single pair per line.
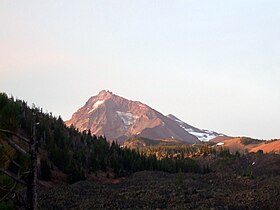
214,64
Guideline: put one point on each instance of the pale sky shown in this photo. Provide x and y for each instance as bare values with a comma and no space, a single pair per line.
214,64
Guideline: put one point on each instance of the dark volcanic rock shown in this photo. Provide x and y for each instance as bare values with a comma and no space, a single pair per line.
158,190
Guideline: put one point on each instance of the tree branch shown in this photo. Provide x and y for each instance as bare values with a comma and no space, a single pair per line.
14,162
16,147
9,192
20,199
4,189
15,134
13,176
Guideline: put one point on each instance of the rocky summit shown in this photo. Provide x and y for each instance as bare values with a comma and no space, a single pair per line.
119,119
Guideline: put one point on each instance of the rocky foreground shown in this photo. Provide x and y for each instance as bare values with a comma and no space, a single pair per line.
158,190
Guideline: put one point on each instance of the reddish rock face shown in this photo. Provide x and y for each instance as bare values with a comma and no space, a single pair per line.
118,119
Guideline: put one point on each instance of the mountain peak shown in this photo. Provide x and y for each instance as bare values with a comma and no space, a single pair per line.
119,118
104,94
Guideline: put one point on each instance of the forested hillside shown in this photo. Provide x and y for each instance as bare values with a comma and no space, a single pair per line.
65,149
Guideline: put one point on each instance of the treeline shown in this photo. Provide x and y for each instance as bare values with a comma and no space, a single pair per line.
75,153
184,151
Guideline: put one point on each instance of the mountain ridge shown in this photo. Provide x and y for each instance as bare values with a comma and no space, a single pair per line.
119,119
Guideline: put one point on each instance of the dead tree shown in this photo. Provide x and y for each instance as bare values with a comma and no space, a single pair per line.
31,185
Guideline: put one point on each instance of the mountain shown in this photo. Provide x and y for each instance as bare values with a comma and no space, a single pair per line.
118,119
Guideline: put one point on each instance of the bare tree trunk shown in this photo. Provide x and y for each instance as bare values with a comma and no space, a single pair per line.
32,186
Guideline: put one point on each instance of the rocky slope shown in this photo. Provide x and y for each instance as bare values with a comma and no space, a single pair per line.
118,119
226,187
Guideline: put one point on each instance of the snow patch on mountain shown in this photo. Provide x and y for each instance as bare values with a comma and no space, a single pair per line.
96,105
202,135
179,121
127,118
